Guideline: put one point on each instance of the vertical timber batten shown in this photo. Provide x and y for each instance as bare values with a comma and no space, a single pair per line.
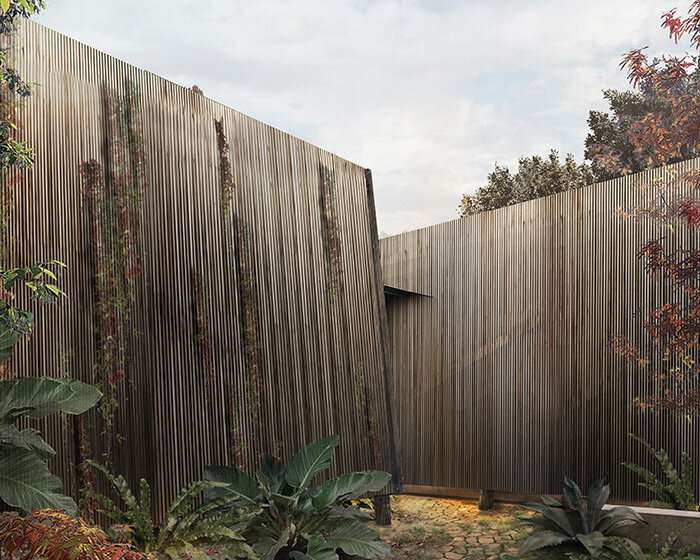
257,283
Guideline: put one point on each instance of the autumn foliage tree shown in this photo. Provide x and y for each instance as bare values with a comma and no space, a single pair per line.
667,349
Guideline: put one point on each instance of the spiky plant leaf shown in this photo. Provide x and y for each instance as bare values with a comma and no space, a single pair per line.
595,500
310,461
617,517
572,494
542,539
593,542
549,501
555,515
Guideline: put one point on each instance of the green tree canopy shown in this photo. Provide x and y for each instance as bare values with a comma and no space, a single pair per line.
536,177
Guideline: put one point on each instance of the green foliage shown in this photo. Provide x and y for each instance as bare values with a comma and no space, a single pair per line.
13,320
678,493
611,130
210,530
579,520
300,522
536,177
25,481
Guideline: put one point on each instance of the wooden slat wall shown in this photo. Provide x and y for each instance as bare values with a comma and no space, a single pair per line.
311,361
504,377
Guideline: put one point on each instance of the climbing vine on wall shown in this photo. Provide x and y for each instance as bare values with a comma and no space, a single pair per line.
226,184
252,345
114,205
86,474
201,302
251,325
331,232
364,400
239,446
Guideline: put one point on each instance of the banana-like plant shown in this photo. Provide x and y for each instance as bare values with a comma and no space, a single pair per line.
25,481
679,492
579,521
300,522
210,530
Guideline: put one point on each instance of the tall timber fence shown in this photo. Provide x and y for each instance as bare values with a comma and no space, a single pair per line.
504,375
223,277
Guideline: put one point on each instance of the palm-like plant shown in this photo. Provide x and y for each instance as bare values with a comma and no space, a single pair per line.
209,530
679,492
300,522
580,521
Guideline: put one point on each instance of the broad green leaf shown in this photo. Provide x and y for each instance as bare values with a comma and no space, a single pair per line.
349,487
8,339
356,539
28,439
274,470
5,4
37,397
238,485
542,539
268,548
317,549
27,484
310,461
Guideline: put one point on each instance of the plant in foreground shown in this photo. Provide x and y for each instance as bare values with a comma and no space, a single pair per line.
579,521
678,493
53,535
25,481
300,522
210,530
620,549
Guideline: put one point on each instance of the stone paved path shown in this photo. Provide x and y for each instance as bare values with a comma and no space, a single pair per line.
437,528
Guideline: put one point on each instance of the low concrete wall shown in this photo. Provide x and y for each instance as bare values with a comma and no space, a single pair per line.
662,522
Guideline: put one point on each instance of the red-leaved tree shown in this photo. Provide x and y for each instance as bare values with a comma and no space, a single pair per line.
667,349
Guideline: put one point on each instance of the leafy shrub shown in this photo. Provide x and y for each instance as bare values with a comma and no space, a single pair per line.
25,481
300,522
210,530
619,549
53,535
678,493
579,521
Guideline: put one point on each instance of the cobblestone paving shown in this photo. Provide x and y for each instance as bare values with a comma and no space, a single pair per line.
435,528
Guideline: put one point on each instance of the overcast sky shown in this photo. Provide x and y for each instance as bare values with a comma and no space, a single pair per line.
428,94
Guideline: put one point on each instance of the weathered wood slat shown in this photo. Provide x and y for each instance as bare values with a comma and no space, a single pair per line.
313,345
504,377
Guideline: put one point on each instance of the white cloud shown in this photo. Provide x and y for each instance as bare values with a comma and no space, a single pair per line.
429,94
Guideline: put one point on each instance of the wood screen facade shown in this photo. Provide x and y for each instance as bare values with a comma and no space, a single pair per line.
222,282
504,375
